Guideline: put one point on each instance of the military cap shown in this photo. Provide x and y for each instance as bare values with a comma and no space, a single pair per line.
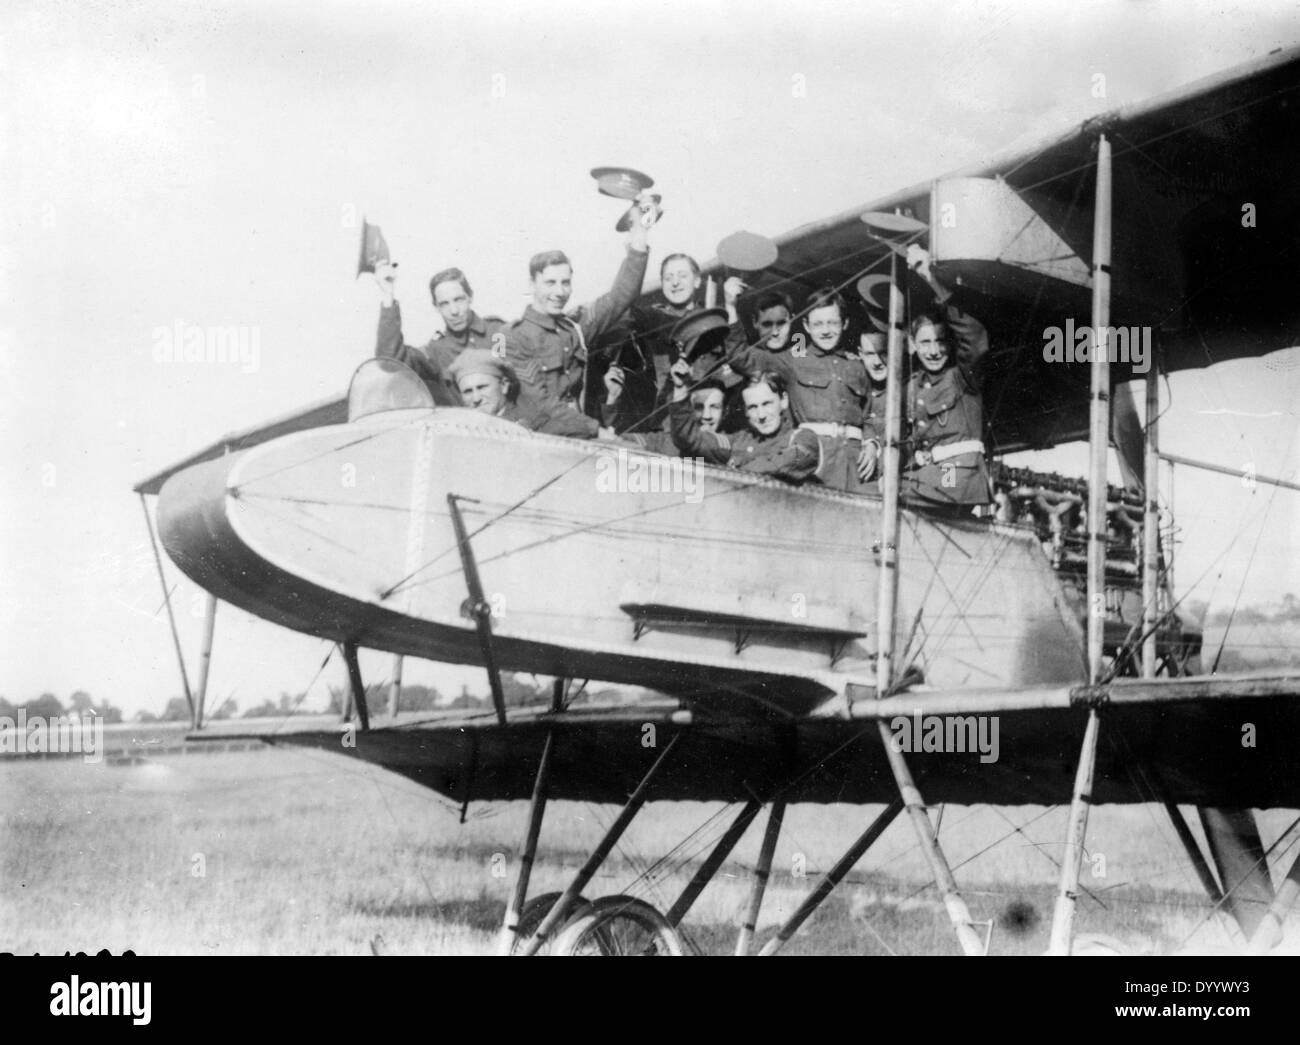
480,361
747,252
374,248
621,182
700,329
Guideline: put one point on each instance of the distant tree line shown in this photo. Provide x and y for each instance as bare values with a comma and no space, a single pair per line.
48,706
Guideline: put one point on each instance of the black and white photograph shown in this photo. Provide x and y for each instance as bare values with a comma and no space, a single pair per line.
655,478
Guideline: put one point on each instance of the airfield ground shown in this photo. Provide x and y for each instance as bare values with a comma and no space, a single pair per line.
282,851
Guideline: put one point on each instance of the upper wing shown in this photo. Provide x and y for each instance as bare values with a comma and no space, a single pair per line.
1206,238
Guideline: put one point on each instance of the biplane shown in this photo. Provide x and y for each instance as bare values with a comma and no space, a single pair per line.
785,627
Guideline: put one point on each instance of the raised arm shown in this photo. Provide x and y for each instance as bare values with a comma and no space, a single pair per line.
599,316
972,338
390,344
689,437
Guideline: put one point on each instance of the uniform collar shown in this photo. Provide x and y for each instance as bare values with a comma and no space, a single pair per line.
475,328
541,319
787,426
928,377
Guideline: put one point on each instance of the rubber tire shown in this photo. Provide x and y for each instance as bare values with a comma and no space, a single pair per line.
605,929
535,912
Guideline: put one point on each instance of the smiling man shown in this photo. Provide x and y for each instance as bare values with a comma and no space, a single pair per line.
652,348
827,382
771,445
946,468
548,347
464,328
488,385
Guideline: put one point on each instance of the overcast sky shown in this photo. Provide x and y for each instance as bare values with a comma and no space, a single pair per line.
208,164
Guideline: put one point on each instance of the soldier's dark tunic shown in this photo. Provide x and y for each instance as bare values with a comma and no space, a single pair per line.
549,353
828,391
646,361
552,419
789,453
945,465
432,362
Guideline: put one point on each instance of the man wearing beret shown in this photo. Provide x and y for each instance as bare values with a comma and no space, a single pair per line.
548,347
488,385
465,328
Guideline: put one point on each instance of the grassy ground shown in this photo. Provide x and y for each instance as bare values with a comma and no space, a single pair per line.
304,852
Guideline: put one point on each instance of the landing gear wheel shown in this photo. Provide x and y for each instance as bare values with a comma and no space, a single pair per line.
535,912
619,925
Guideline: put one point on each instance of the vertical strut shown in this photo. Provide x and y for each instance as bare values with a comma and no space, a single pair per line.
890,478
205,658
1202,868
1269,931
555,917
1099,447
167,601
761,872
395,687
958,912
355,684
833,878
536,809
477,608
1151,523
710,866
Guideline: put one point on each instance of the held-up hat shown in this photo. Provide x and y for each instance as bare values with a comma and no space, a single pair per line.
621,182
374,248
700,330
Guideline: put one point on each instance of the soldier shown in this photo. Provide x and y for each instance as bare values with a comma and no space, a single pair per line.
707,400
465,328
772,445
549,349
946,468
827,383
652,325
773,317
488,385
872,350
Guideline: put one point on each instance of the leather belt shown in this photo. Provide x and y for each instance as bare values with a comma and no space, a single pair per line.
833,429
947,451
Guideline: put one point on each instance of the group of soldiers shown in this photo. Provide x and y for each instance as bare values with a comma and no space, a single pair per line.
803,401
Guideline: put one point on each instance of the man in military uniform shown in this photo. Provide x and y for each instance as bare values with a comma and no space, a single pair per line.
547,347
946,468
873,351
488,385
652,325
827,385
454,300
707,400
772,445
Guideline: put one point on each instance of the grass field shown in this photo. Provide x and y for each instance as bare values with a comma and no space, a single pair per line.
306,852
